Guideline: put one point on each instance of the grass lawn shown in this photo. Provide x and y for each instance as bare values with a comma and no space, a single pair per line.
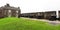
13,23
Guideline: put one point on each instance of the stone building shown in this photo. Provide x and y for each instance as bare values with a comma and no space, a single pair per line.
41,15
9,11
59,14
48,14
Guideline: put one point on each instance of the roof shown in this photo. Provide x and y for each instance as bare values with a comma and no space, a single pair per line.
8,7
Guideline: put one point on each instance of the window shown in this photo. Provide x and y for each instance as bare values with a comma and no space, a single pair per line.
9,10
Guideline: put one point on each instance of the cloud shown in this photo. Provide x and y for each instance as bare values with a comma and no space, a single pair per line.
33,5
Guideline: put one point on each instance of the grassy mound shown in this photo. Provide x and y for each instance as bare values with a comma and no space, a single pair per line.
25,24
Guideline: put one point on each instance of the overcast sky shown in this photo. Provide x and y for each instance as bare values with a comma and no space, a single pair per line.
33,5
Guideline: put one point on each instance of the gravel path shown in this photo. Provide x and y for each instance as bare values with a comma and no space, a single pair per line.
45,20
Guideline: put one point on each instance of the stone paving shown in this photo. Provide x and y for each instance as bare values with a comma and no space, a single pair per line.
45,20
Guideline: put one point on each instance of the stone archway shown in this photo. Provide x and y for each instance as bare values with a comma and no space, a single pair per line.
9,13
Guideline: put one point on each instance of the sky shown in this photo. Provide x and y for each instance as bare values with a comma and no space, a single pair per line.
28,6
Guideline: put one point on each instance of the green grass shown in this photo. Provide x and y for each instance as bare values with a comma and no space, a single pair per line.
13,23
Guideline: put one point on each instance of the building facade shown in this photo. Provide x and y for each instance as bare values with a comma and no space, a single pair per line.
41,15
9,11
